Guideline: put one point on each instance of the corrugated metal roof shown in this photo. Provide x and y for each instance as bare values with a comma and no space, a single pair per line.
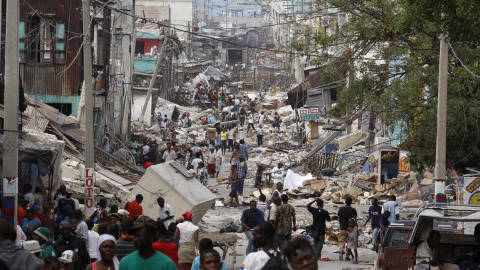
52,114
38,122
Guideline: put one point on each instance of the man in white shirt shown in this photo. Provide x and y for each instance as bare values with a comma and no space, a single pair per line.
165,212
27,188
261,118
169,153
231,138
195,161
250,123
146,149
427,254
278,173
263,238
92,240
392,207
260,135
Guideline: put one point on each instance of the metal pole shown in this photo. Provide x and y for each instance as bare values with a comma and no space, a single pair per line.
152,81
441,121
10,143
89,153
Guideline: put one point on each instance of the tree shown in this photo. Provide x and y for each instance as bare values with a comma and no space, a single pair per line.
394,45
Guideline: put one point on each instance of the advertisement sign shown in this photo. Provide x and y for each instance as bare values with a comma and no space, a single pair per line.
89,192
309,114
115,87
469,190
403,164
9,185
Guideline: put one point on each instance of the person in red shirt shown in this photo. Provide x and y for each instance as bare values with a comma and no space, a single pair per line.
22,205
162,245
134,208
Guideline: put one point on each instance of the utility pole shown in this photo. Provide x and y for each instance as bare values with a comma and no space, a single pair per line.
154,77
10,143
441,120
89,153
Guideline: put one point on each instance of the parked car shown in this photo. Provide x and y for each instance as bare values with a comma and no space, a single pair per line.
455,224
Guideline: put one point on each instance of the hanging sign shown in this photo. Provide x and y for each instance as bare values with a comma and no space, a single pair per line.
309,114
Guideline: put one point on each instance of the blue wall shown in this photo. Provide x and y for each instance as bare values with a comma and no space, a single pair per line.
74,100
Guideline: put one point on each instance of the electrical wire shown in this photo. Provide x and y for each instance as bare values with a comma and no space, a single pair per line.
459,60
233,43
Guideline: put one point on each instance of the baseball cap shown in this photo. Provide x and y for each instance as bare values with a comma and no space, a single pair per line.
33,246
140,224
30,209
68,256
69,190
43,233
65,224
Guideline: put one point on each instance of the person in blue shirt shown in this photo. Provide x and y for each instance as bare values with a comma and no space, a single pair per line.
205,245
374,214
29,219
244,149
67,200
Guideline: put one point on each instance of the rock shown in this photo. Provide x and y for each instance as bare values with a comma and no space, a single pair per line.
366,194
426,182
412,196
427,174
412,204
380,188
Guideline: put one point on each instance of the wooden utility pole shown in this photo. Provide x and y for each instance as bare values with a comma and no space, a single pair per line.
154,77
89,153
10,135
441,120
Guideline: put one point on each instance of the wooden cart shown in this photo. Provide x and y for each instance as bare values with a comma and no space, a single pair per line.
224,241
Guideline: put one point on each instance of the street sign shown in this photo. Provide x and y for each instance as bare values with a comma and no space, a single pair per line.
309,114
115,87
89,192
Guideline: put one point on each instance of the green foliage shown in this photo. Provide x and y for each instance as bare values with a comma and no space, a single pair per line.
394,45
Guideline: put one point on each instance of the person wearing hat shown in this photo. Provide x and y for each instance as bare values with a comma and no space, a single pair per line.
27,188
13,257
68,241
145,257
42,235
30,219
69,259
34,247
122,214
188,234
67,200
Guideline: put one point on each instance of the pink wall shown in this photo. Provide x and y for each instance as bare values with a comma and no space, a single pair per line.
149,43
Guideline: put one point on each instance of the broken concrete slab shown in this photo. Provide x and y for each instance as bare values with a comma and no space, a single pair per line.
182,191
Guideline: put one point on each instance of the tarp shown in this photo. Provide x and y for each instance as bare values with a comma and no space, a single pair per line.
294,181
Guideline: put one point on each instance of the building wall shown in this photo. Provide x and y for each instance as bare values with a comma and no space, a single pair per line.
58,79
181,13
149,43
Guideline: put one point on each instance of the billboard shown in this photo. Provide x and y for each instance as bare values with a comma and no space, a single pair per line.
309,114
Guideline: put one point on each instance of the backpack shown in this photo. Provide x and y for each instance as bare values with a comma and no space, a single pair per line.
275,262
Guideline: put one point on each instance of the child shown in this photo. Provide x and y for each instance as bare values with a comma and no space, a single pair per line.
234,182
262,203
201,173
352,240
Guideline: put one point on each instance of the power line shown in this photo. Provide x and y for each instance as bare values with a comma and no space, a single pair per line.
230,42
459,60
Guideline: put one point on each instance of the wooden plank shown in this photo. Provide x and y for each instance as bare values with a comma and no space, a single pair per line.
181,169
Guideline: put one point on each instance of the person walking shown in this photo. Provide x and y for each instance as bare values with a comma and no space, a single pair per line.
244,148
374,214
320,217
392,207
264,240
259,135
206,244
286,222
218,159
42,235
234,182
242,173
251,217
68,241
106,246
201,174
46,217
236,153
251,120
223,139
352,244
301,255
188,234
92,240
162,245
165,212
231,138
211,162
145,257
345,213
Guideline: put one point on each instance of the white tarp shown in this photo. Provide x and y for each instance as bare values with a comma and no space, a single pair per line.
294,181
